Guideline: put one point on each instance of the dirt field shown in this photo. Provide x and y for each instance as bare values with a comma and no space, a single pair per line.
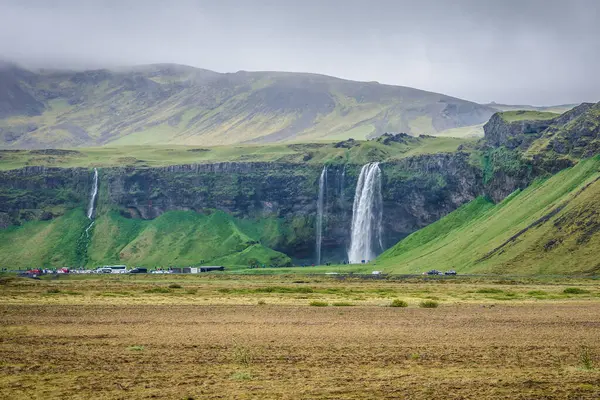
117,338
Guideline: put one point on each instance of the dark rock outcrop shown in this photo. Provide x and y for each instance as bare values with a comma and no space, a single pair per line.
518,134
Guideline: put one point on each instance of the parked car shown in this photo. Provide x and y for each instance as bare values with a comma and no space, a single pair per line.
139,271
434,272
451,272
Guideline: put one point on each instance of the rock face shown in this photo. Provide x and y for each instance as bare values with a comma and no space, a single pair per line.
517,134
38,193
576,133
416,192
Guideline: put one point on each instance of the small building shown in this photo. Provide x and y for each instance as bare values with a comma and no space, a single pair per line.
211,268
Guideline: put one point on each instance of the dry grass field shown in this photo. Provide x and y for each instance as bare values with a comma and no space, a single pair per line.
258,337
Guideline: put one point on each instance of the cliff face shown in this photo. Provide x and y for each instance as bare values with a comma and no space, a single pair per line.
516,134
416,192
41,193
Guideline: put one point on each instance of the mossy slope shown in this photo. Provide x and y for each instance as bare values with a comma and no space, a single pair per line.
176,238
549,228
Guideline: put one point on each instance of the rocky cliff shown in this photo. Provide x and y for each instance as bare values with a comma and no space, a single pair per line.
416,191
500,131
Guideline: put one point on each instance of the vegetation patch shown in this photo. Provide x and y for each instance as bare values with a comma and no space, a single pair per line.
429,304
342,304
241,376
398,303
490,291
318,303
574,290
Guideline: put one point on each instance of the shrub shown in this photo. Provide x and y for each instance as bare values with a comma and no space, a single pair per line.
398,303
574,290
429,304
317,303
53,291
342,304
174,286
135,348
261,302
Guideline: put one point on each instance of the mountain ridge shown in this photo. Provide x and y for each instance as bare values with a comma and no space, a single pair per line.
175,104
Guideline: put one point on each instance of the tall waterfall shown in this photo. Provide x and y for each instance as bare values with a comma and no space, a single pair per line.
367,216
320,213
93,194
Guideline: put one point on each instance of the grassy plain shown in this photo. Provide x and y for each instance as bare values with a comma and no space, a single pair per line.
227,336
522,115
162,155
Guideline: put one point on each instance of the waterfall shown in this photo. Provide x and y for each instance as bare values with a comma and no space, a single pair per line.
90,213
367,216
320,212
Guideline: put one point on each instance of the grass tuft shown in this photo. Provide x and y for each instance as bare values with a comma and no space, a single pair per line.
242,354
318,303
586,360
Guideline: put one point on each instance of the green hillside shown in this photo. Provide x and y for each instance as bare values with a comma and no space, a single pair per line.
176,238
547,228
174,104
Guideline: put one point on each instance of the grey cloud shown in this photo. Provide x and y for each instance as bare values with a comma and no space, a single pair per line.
527,51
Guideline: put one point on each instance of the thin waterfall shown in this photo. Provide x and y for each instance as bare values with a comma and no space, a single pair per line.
367,216
91,207
320,213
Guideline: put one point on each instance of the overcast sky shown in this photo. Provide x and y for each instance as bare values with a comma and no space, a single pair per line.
513,51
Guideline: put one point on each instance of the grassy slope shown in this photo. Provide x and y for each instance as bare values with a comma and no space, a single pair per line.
522,115
177,238
563,243
169,155
42,243
471,131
